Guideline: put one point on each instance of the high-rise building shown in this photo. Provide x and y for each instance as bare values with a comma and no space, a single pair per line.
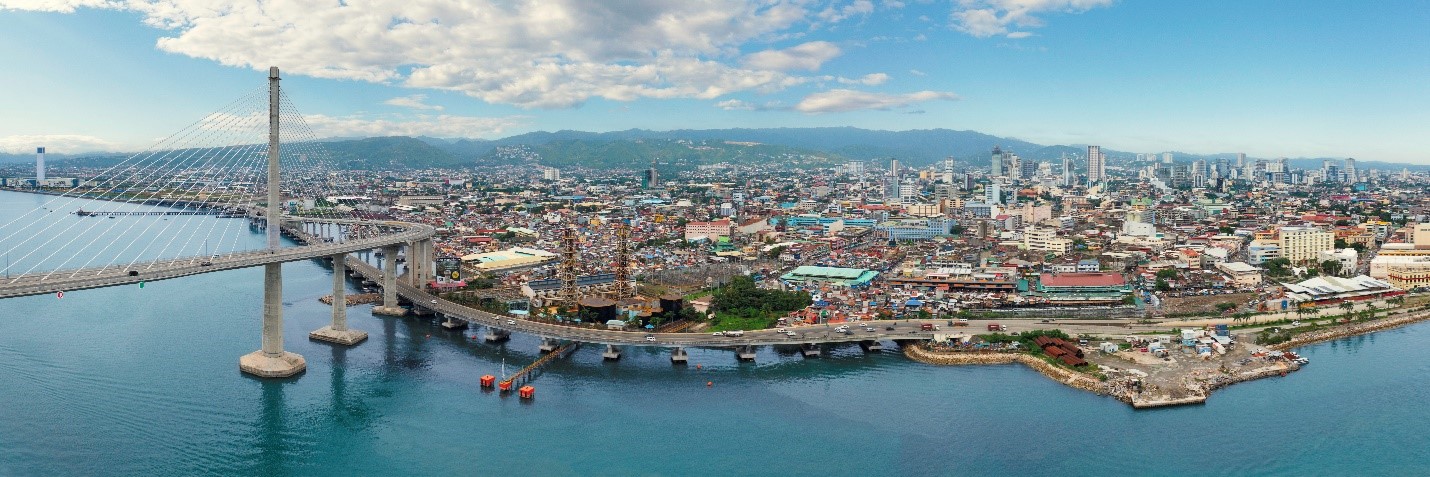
551,174
1166,158
992,194
1240,160
995,165
652,178
39,167
1067,171
1301,244
1199,173
1352,175
1027,169
1096,165
893,167
947,175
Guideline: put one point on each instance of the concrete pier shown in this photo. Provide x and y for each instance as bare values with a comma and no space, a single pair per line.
745,353
389,285
454,325
338,331
548,345
810,350
678,356
612,353
871,346
495,335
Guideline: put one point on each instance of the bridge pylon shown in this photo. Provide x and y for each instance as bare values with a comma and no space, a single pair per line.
271,361
389,285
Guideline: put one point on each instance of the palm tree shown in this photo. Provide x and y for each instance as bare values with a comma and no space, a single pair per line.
1347,307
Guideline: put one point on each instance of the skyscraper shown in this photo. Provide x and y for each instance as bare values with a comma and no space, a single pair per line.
1352,175
1096,165
1166,158
992,194
1067,171
39,167
894,168
1240,160
995,165
652,179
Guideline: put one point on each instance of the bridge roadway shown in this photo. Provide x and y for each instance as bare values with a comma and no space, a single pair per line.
116,275
903,329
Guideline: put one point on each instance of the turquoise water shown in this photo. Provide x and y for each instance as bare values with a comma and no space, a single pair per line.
130,381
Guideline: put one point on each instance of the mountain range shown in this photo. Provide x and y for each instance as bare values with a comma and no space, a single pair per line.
686,148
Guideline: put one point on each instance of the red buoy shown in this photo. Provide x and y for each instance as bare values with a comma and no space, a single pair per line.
526,392
709,383
489,381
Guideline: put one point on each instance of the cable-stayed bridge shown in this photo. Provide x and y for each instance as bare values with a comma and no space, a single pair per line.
191,203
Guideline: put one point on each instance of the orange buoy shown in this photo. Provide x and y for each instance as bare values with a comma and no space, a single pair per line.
504,386
709,383
697,366
526,392
488,381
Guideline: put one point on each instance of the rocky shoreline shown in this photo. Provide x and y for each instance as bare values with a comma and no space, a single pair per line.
1344,331
1071,378
358,299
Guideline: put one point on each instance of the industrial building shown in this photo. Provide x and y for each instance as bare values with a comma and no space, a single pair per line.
846,277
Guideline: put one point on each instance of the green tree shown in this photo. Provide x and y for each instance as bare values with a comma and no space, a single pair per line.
1162,285
1331,267
1167,274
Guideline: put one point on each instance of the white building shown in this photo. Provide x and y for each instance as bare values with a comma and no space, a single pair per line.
1302,244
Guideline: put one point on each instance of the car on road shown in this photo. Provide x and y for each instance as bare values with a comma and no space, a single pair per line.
434,302
718,333
511,322
649,338
889,328
206,264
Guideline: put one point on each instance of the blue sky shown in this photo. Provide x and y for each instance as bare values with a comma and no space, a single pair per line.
1299,79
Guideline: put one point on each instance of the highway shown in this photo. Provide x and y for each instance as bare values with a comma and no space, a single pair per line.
42,283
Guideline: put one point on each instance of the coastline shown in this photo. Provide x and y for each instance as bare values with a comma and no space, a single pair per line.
1198,387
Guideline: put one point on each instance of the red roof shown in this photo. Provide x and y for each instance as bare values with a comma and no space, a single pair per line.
1082,279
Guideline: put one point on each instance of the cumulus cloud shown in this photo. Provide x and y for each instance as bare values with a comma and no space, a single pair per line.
528,53
842,100
808,56
56,143
735,105
986,18
413,101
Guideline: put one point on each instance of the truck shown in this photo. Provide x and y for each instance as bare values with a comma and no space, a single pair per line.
926,327
734,333
996,327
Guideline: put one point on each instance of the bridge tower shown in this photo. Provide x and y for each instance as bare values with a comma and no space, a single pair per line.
271,361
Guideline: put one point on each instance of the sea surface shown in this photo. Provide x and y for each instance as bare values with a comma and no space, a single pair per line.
145,381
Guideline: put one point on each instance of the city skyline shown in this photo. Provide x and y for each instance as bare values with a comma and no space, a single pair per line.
1319,81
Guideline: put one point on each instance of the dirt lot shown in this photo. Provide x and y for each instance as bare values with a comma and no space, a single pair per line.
1184,371
1201,305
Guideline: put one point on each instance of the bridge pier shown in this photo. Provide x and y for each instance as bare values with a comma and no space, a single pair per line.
548,345
612,353
389,285
745,353
271,361
495,335
338,332
678,356
871,346
454,325
810,350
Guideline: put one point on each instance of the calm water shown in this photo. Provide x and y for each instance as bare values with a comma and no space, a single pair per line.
130,381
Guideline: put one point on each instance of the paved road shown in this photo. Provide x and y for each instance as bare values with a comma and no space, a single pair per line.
42,283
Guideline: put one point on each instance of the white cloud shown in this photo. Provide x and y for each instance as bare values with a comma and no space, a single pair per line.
917,73
872,79
842,100
807,56
833,14
528,53
56,143
735,105
413,101
443,125
986,18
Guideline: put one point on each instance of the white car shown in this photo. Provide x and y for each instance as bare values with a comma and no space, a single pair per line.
511,322
718,333
649,338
